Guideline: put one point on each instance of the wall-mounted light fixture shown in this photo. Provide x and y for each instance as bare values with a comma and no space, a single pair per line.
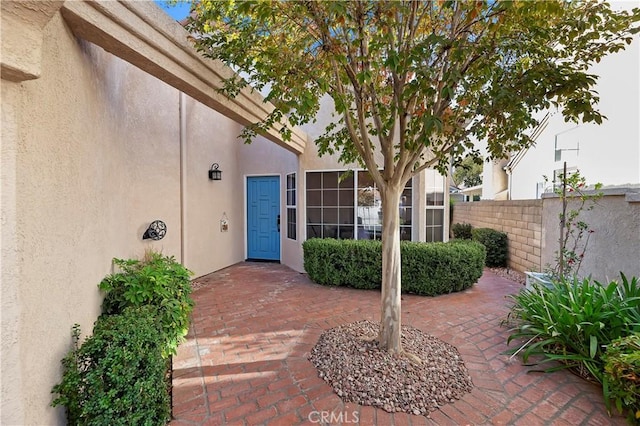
156,231
214,173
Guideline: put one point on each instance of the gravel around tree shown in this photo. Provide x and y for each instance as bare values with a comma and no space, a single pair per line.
510,274
348,358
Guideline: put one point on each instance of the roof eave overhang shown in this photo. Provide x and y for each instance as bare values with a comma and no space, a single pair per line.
143,35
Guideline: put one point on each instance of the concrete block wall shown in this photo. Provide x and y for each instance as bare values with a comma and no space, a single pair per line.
521,220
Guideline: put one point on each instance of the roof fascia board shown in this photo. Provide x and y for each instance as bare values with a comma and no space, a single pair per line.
518,156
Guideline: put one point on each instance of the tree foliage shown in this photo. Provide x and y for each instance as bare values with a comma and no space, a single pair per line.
468,172
415,79
413,82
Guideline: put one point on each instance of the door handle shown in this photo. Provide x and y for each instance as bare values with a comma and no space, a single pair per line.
278,223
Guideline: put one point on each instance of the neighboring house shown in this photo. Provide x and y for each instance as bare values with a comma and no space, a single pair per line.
608,153
110,120
472,193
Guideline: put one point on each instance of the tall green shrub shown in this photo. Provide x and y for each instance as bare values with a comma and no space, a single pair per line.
496,244
118,375
427,268
158,281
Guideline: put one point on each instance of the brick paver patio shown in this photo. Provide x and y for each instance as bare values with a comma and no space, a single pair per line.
254,324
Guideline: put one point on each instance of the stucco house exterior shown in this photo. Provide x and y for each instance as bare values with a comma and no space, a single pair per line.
110,120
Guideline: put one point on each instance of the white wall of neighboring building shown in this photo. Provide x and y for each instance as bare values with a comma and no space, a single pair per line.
608,153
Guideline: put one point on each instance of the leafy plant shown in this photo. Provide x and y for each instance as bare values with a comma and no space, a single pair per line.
428,268
461,231
158,281
573,322
118,375
622,376
574,232
496,244
468,172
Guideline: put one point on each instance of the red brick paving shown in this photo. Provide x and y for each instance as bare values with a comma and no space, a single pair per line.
254,324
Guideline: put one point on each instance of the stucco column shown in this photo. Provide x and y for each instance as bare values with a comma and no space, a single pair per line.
12,410
22,31
419,207
447,209
22,25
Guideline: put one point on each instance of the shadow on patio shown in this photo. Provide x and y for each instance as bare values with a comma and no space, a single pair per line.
254,324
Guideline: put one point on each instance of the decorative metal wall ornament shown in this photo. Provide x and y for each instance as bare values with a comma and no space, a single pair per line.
214,173
156,231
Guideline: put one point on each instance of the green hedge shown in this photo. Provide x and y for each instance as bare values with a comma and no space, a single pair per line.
496,244
118,375
427,268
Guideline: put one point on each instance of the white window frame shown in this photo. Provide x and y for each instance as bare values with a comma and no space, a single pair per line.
294,206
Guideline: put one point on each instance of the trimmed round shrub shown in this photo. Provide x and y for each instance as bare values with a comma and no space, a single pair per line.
427,268
461,231
496,244
431,269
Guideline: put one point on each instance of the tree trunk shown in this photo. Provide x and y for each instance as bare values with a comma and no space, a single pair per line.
563,222
390,311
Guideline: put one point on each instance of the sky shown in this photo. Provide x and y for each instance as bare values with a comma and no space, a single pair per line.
177,11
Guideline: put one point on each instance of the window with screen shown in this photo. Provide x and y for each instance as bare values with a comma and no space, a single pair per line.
348,205
330,212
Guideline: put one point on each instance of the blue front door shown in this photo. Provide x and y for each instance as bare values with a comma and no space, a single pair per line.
263,218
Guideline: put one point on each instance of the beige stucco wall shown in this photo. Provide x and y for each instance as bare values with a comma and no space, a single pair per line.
614,246
90,156
211,138
22,23
263,157
310,159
